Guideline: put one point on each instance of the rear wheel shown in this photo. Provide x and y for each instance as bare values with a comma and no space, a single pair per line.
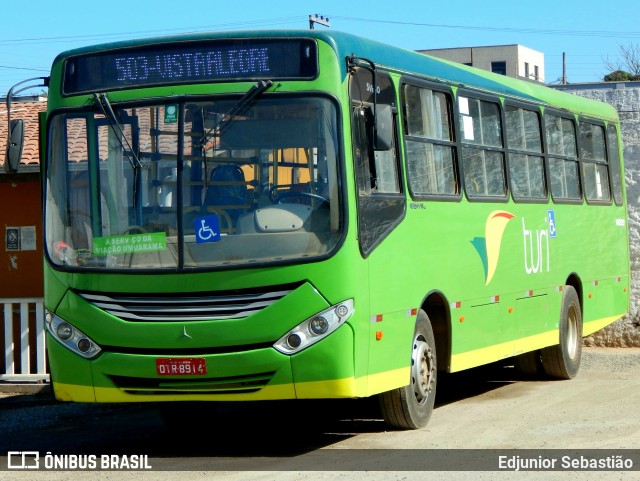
410,407
562,361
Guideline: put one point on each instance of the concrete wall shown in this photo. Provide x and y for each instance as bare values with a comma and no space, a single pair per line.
515,57
625,97
534,59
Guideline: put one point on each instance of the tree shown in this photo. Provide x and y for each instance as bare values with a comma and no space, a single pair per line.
620,76
626,66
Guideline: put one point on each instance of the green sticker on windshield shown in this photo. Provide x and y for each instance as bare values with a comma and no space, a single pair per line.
130,244
170,114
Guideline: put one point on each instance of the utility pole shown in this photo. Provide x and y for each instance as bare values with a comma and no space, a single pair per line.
319,19
564,68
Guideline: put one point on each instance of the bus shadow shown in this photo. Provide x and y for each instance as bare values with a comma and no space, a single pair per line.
474,382
280,430
292,428
271,429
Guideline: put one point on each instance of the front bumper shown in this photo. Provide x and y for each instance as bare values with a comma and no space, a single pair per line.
324,370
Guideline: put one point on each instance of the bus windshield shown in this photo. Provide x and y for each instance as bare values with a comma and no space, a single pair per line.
193,184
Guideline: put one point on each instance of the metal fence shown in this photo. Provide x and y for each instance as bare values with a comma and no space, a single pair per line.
22,335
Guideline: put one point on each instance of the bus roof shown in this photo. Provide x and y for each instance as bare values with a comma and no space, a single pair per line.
395,59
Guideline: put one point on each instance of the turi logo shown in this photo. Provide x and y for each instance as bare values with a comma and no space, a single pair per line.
488,247
536,245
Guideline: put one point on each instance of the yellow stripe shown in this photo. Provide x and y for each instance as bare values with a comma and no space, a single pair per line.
278,391
77,393
478,357
354,387
593,326
392,379
74,392
385,381
337,388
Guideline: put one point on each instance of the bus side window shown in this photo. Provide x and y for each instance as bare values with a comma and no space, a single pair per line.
613,151
564,177
361,155
526,160
593,157
380,167
482,148
429,140
379,187
384,163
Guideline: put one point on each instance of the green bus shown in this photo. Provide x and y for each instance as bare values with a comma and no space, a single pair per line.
273,215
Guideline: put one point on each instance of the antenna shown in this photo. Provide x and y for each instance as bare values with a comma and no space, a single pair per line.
319,19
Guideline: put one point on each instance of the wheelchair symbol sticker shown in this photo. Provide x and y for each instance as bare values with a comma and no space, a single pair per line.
552,223
207,229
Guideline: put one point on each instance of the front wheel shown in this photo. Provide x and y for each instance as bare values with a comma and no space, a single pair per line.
410,407
562,361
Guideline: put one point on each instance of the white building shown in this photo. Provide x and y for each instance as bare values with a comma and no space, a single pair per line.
511,60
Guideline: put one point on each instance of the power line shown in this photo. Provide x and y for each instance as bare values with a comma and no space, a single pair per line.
24,68
29,41
579,33
253,23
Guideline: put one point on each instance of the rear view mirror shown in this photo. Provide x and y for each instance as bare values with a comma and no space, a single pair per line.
15,141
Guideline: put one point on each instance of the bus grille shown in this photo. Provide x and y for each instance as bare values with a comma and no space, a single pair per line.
223,385
179,307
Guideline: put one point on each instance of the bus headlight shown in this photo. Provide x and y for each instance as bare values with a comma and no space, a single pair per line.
315,328
64,331
71,337
318,325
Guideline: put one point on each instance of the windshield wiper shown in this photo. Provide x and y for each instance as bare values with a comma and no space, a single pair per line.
105,106
240,107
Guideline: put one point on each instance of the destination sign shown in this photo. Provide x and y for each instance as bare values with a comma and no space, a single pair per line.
191,62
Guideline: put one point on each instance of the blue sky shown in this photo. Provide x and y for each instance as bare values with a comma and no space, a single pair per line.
589,31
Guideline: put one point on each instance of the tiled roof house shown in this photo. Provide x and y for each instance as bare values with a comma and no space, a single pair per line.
21,270
27,109
21,267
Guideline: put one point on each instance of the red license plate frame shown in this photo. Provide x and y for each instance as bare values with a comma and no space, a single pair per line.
181,366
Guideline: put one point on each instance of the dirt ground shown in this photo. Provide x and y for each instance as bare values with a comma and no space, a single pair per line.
599,409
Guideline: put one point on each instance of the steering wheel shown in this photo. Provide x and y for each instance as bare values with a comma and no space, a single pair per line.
277,197
132,228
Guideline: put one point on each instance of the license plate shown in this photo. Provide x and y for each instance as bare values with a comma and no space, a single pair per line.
192,366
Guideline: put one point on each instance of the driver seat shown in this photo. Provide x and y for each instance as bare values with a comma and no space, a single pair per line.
227,191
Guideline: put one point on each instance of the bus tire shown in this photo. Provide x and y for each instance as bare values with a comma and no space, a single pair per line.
528,364
410,407
562,361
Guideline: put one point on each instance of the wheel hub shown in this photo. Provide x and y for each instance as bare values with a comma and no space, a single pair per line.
422,366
